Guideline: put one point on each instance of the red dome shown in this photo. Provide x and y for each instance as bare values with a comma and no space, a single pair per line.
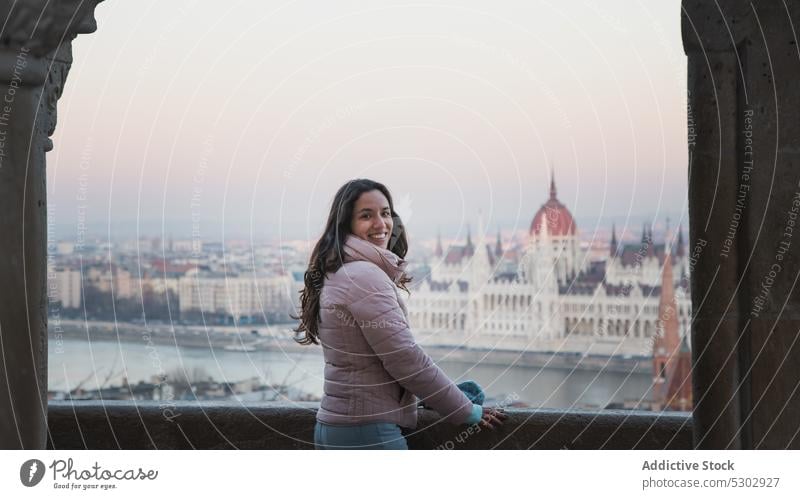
559,219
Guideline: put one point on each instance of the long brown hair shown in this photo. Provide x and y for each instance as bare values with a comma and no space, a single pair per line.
328,253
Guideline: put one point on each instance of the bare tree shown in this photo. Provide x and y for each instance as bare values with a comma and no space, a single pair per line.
183,380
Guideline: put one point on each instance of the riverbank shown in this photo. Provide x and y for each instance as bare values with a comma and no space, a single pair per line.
279,338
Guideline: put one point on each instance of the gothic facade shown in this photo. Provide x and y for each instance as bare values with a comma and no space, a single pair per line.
547,294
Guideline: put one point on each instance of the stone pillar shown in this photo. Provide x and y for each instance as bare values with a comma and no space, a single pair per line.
35,55
744,201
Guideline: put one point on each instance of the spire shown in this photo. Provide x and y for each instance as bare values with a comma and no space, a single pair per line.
651,250
470,248
667,337
667,343
613,240
644,233
439,250
552,183
546,272
481,229
498,248
480,262
679,251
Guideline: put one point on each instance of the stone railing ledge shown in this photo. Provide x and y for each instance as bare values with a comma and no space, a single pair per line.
289,425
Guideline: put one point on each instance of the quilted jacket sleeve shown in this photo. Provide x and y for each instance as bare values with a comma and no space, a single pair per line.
377,312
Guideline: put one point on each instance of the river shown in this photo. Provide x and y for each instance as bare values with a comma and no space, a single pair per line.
73,361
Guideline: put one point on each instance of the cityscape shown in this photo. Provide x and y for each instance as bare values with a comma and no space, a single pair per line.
545,301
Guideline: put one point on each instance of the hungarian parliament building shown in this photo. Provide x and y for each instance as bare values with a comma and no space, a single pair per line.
547,295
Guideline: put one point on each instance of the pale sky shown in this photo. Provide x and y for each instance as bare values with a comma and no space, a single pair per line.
245,117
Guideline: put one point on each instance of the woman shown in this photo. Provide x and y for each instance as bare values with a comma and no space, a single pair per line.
351,305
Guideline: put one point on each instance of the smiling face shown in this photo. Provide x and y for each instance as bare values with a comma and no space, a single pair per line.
372,218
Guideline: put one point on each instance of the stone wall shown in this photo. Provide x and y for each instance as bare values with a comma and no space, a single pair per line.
146,425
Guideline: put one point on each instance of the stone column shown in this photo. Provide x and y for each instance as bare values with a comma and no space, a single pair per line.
744,199
35,55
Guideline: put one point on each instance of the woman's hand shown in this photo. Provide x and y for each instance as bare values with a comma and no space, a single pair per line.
492,417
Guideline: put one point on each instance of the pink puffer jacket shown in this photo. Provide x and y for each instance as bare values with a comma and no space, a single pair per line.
373,367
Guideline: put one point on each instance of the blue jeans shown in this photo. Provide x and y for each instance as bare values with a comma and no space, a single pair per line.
380,436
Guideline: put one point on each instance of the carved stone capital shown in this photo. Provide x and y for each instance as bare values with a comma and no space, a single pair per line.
42,26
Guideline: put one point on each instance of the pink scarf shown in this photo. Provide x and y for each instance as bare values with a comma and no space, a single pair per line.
356,248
